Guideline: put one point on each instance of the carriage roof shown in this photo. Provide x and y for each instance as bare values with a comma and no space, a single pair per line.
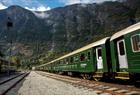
125,31
94,44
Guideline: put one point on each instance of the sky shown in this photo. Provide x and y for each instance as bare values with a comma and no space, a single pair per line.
44,5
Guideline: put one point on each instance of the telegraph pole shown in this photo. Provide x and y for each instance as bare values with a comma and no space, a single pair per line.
9,25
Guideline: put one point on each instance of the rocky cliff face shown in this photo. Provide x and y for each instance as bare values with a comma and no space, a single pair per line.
76,25
60,30
26,34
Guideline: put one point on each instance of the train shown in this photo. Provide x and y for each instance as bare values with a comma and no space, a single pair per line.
6,66
114,57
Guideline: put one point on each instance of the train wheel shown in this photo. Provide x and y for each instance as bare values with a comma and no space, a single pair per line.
83,76
88,76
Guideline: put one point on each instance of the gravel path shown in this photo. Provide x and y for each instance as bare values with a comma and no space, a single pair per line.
36,84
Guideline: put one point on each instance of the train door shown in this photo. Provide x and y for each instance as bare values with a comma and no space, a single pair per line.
99,58
122,54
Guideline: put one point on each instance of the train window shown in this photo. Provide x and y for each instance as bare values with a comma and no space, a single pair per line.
89,55
99,52
67,61
64,61
71,60
61,62
135,40
76,58
82,57
121,48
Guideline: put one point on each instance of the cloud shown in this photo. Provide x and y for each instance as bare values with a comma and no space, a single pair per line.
43,8
41,15
2,6
33,5
100,1
40,8
70,2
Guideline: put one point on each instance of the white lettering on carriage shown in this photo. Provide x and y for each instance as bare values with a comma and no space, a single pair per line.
83,65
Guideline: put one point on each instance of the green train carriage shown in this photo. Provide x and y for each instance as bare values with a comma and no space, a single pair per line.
115,57
91,60
125,52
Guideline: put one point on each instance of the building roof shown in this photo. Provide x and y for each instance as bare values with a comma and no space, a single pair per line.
127,30
100,42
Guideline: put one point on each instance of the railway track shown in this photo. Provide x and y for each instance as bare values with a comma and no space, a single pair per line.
101,88
9,78
8,84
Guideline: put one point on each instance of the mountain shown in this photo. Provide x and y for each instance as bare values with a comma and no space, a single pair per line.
77,25
47,35
26,34
25,25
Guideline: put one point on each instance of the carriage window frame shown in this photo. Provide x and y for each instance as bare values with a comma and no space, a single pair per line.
67,60
132,43
76,58
64,61
121,48
98,54
88,55
61,61
82,57
71,59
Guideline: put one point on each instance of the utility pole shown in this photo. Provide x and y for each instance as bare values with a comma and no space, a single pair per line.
9,25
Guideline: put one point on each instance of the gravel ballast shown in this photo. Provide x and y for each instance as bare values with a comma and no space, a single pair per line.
36,84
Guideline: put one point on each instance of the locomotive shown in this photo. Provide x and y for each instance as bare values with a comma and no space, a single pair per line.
116,57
